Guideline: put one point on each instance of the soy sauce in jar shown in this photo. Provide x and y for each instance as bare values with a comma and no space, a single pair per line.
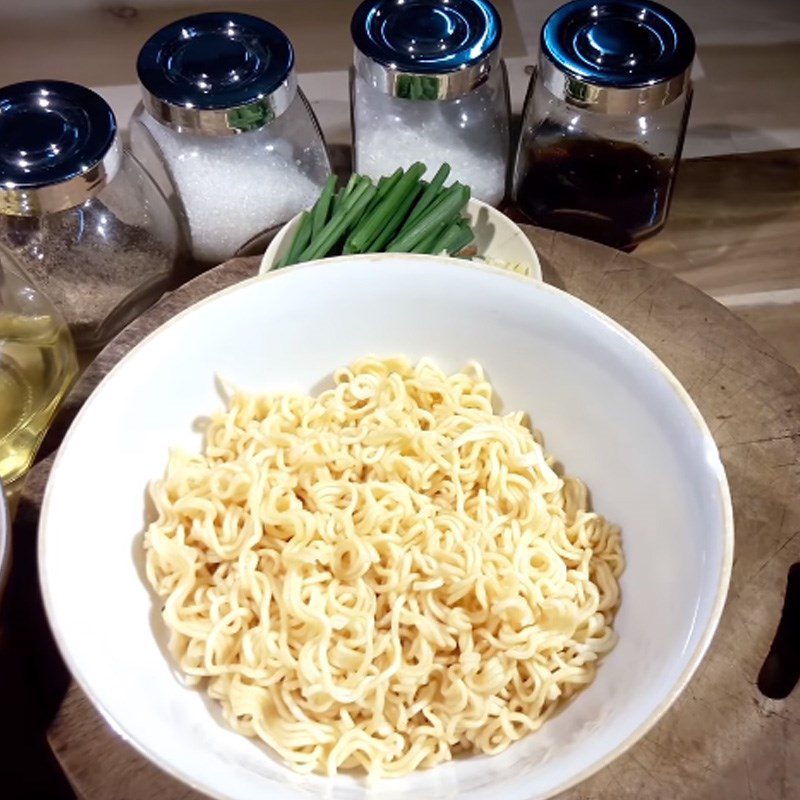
604,120
610,191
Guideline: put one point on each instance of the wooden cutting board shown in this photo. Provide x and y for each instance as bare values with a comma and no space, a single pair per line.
722,740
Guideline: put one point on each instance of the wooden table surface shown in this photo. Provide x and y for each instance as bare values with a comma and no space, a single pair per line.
722,738
734,232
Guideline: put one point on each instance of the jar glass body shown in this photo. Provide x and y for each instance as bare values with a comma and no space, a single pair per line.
603,176
105,260
37,366
227,189
470,132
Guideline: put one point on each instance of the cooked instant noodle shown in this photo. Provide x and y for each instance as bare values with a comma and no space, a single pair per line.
384,575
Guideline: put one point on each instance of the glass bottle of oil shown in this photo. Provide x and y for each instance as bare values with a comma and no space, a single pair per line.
37,366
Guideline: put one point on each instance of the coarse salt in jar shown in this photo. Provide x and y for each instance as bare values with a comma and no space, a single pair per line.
79,213
225,130
428,84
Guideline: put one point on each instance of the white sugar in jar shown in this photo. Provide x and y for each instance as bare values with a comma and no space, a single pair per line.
225,131
428,85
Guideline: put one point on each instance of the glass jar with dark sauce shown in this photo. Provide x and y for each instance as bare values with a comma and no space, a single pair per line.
604,120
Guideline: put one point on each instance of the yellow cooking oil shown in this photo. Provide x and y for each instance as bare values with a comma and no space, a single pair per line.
37,368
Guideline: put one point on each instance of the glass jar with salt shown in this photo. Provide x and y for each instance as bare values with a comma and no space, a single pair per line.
83,218
225,130
428,84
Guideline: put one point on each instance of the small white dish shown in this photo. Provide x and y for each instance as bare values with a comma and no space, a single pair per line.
609,410
497,239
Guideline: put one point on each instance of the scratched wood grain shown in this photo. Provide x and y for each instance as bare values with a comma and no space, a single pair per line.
732,232
721,740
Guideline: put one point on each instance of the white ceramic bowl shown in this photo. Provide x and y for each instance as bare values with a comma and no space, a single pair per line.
496,237
609,410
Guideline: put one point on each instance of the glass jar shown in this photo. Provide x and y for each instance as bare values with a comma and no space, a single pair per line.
85,220
428,85
225,130
604,120
37,366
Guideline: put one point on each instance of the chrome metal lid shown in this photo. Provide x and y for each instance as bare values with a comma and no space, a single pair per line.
58,146
217,74
426,49
616,55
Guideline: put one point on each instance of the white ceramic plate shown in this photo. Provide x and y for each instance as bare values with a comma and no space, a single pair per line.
496,237
609,410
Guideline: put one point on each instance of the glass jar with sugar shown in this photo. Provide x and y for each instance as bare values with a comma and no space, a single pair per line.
79,213
428,84
225,131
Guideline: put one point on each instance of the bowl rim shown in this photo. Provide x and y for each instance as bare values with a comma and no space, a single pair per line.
694,659
267,260
5,539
